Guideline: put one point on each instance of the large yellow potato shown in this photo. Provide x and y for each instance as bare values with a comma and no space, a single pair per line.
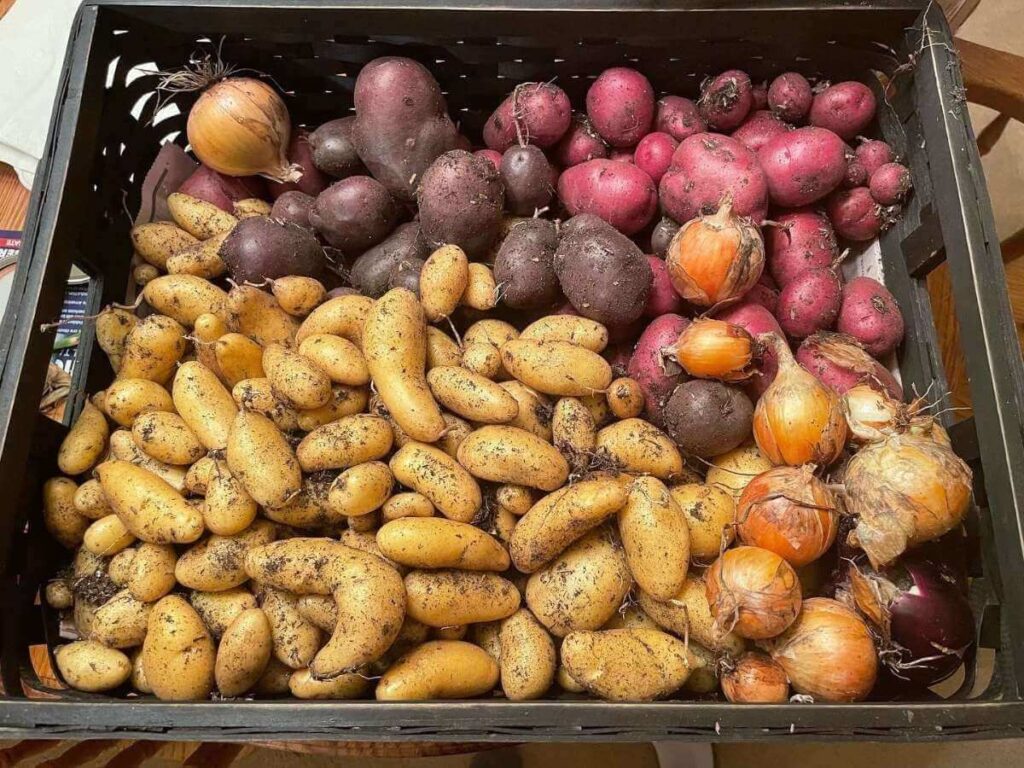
199,218
87,665
561,518
655,538
574,432
527,657
440,669
448,597
257,395
295,641
60,517
345,401
151,572
710,513
178,654
112,327
436,475
361,489
257,314
201,259
581,331
127,398
556,367
185,297
219,609
504,454
90,501
443,279
218,562
341,316
639,447
229,509
349,441
626,664
442,349
124,448
262,460
296,379
481,290
85,443
298,295
167,438
471,395
338,357
204,404
107,536
153,349
243,653
158,241
434,542
150,508
238,358
121,622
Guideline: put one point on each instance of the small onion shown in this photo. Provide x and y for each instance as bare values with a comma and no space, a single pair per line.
828,652
753,592
905,489
715,259
790,512
239,126
798,420
755,679
871,414
715,349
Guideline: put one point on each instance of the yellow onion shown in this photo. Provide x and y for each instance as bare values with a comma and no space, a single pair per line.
798,420
752,592
828,652
755,678
239,126
905,489
788,511
715,259
715,349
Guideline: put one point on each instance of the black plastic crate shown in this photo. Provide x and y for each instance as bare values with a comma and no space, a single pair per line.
92,173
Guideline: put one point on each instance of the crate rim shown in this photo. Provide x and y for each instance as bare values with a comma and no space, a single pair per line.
535,5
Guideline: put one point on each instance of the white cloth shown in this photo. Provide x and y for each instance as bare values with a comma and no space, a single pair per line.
33,38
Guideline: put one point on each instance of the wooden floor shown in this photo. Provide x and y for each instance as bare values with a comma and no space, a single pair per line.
13,196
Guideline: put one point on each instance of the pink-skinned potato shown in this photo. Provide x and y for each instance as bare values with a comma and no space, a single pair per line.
790,97
803,239
621,194
653,154
655,372
461,198
840,362
869,313
855,215
579,144
803,165
759,128
300,153
354,214
764,293
759,95
663,298
845,108
223,191
873,154
679,117
890,184
705,168
810,302
490,154
620,105
726,100
543,114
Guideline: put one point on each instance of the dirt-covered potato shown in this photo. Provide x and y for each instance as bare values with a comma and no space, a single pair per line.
506,454
262,460
460,197
262,248
243,653
688,614
655,538
167,438
527,657
178,654
219,609
636,446
707,418
440,669
151,509
85,442
626,664
217,562
433,542
372,272
710,513
60,517
446,598
436,475
87,665
524,267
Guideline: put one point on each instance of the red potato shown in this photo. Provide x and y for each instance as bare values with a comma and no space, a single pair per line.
856,173
223,191
890,184
764,293
705,168
873,154
656,374
622,155
803,239
855,215
261,248
678,117
354,214
708,418
653,154
618,356
300,153
490,154
527,176
810,302
333,150
755,320
461,198
846,109
371,272
803,166
870,314
621,194
838,361
663,298
524,267
759,96
790,97
759,128
580,143
293,207
726,100
662,235
534,113
620,105
402,123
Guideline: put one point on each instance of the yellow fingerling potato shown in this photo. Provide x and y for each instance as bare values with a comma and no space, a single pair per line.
733,470
439,669
366,541
204,404
394,344
581,331
528,659
207,329
638,446
582,588
85,443
238,358
403,505
87,665
243,653
342,316
490,331
434,542
58,594
124,448
119,567
366,524
295,379
167,438
655,538
199,475
217,562
201,259
443,280
274,681
573,432
107,536
441,349
121,622
339,358
153,349
481,290
487,635
60,517
158,241
688,614
630,616
433,473
257,314
112,328
345,401
199,218
127,398
257,395
219,609
471,395
298,295
482,359
361,489
262,460
185,297
346,442
151,572
144,273
229,509
90,501
319,610
150,508
517,499
178,655
448,597
562,517
251,207
625,398
626,664
350,685
504,454
556,367
710,514
534,409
